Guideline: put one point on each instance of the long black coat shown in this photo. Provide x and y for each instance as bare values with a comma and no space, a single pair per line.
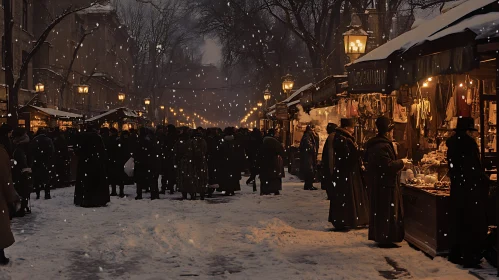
193,165
118,155
308,155
386,222
61,159
253,149
468,194
22,163
92,188
147,161
42,152
271,165
168,156
349,202
214,159
231,165
328,164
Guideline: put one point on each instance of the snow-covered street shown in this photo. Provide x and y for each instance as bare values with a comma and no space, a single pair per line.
243,237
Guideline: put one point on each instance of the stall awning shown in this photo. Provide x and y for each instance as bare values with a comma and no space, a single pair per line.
115,114
53,112
426,30
295,94
433,48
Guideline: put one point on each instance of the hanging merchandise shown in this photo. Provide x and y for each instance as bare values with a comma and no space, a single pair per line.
451,107
469,96
492,113
354,105
400,114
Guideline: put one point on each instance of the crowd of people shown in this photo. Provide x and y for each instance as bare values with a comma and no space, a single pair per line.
362,185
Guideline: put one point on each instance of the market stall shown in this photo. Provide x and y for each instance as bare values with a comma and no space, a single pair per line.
119,118
34,118
435,74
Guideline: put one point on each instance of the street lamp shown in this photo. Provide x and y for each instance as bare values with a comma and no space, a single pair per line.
287,84
260,104
147,101
39,88
181,110
83,89
355,39
255,108
266,96
121,96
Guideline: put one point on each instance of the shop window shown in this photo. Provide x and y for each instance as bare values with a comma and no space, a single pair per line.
25,15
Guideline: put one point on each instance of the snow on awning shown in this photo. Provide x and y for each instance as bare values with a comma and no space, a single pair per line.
57,113
126,112
425,30
296,93
478,24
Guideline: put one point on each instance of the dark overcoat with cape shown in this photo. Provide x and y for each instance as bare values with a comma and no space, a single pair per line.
328,164
386,222
468,195
118,155
42,153
271,165
92,188
308,155
349,202
193,165
231,165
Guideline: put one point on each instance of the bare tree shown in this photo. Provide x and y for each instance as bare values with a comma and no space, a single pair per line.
13,85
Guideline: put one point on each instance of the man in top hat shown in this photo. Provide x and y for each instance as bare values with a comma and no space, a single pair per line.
308,158
328,159
387,215
349,204
468,195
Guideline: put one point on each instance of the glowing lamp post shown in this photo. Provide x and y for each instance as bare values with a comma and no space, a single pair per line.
287,84
83,89
259,104
121,97
355,41
266,97
147,101
39,88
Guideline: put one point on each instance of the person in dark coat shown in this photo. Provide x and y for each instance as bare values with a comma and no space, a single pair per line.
468,196
386,222
118,156
42,153
146,164
271,154
8,197
61,159
213,141
328,160
349,202
231,165
254,144
308,158
92,186
5,133
21,170
193,165
169,177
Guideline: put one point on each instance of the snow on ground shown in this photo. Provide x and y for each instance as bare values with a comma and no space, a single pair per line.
243,237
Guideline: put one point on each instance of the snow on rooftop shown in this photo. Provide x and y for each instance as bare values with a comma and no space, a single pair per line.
451,5
300,90
425,30
98,9
57,113
477,24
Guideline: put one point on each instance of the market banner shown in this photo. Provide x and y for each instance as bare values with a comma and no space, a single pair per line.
281,111
370,76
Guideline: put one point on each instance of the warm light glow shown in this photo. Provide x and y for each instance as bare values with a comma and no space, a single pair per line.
255,108
260,104
288,83
83,89
430,79
147,101
181,110
162,107
461,85
172,110
471,82
266,95
355,41
39,88
425,84
121,96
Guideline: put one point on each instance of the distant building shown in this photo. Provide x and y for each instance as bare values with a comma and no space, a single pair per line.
103,62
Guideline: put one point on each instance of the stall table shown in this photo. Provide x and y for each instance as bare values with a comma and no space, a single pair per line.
426,219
